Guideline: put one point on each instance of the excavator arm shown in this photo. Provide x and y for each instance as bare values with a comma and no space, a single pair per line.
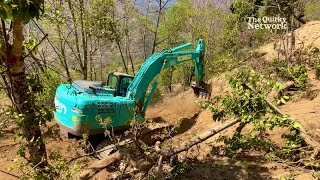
160,61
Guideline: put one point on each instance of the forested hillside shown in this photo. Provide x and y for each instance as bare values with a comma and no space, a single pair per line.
253,111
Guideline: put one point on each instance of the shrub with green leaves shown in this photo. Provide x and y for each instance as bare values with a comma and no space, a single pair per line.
317,68
300,76
296,73
247,102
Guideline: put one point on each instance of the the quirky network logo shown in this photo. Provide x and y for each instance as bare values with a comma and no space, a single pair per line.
269,23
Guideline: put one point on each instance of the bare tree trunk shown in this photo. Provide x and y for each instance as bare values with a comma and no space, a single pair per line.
127,45
131,61
76,35
145,32
101,67
157,26
84,41
122,57
144,44
22,97
62,56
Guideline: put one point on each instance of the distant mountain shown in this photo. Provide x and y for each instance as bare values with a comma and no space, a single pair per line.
223,4
142,4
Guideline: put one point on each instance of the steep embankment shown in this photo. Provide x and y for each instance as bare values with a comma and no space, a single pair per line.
303,107
305,37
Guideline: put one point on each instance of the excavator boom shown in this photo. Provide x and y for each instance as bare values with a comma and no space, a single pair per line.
159,61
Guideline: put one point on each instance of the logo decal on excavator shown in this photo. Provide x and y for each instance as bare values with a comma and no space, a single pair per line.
60,107
185,57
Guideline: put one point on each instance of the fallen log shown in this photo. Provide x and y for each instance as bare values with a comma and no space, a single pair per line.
165,152
97,166
169,151
303,132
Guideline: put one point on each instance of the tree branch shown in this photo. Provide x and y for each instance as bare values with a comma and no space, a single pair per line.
31,51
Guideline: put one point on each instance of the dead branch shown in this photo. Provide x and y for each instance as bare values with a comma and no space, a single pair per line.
34,48
10,174
169,151
94,168
6,145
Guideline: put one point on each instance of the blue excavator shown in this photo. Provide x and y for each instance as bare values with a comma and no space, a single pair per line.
82,105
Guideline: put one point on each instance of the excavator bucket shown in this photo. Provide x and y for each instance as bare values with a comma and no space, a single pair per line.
203,91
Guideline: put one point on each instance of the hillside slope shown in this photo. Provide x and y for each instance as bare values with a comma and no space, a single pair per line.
306,37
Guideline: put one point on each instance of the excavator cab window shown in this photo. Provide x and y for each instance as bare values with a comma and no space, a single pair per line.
112,81
124,84
119,83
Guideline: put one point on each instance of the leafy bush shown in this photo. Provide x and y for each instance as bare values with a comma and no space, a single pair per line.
299,75
296,73
317,68
156,97
44,87
247,102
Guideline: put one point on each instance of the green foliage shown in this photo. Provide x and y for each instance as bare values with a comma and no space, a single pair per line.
282,100
287,8
166,78
317,68
44,87
312,10
181,168
102,22
299,75
156,97
176,21
24,10
183,73
60,169
245,8
296,73
31,45
247,102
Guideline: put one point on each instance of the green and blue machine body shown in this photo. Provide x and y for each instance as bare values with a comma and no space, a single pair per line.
79,105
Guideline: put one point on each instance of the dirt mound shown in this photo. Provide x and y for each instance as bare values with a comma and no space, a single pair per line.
173,108
188,116
307,36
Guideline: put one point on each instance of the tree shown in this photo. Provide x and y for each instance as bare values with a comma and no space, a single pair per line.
55,20
14,14
105,21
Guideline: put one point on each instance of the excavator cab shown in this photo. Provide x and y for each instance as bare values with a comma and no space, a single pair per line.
119,82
